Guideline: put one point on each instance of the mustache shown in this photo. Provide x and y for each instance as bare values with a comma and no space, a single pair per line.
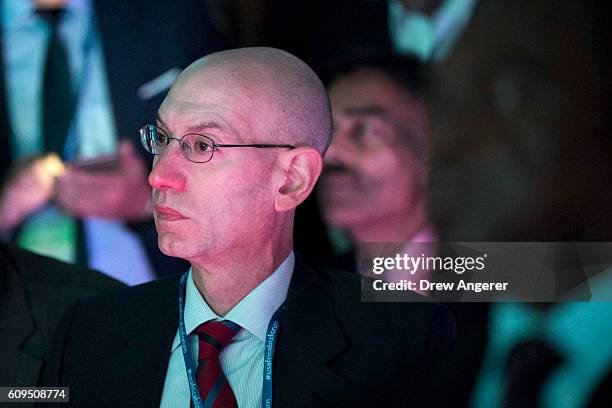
336,167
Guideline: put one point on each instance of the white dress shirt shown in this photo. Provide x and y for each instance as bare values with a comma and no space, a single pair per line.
242,360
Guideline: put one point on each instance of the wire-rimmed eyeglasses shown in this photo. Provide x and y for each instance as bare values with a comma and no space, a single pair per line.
196,147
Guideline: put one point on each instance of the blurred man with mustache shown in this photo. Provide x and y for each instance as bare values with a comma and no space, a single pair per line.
376,170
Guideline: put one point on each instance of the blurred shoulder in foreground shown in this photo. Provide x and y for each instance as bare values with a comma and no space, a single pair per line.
34,293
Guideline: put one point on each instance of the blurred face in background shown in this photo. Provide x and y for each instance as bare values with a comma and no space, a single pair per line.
375,169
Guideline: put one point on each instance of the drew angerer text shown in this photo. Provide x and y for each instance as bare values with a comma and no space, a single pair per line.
426,285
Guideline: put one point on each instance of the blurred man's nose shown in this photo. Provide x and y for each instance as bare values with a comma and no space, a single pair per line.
341,149
168,169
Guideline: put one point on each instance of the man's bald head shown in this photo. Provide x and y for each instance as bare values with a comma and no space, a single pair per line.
273,84
238,98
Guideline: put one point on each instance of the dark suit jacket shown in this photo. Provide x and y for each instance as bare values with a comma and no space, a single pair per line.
35,291
332,350
457,373
141,40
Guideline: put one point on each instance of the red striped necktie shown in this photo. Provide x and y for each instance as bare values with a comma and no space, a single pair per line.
215,390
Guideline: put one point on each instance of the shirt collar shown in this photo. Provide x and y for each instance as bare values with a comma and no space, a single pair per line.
79,7
15,12
253,313
580,331
575,328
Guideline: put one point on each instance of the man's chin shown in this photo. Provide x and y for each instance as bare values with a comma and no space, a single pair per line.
171,246
344,217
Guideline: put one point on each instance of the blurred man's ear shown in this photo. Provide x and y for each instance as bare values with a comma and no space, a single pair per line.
299,170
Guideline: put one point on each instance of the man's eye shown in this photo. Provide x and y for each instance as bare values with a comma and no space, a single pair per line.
361,130
368,132
161,138
186,147
202,147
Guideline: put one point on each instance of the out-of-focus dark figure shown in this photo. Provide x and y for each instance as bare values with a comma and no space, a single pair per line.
521,119
77,78
34,293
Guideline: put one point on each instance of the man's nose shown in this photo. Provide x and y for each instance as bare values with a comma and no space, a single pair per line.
340,149
168,170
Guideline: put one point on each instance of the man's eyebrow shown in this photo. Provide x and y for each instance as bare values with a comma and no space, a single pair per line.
201,127
161,122
206,126
369,110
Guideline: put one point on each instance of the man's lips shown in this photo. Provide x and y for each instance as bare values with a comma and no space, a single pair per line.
167,214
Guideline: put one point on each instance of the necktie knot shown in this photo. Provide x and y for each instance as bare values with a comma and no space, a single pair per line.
214,337
214,388
52,16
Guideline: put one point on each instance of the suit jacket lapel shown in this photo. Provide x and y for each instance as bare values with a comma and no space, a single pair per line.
309,337
148,336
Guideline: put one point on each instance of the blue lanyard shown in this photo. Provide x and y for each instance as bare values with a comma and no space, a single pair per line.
271,335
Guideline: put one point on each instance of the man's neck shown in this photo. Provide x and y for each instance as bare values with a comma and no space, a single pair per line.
392,228
223,286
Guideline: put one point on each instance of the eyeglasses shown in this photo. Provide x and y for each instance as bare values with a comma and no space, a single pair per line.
196,148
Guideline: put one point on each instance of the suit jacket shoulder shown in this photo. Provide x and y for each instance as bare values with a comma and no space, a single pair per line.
122,340
34,293
350,353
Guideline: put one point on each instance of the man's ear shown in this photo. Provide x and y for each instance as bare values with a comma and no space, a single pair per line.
298,171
